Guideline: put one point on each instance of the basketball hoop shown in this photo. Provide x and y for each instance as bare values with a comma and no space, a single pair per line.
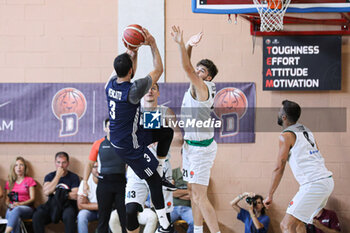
271,14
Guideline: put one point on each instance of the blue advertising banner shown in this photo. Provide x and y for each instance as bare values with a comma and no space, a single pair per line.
74,112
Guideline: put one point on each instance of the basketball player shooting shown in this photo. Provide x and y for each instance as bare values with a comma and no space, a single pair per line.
199,149
126,133
298,146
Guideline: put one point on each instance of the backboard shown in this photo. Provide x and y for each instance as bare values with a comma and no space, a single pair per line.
247,6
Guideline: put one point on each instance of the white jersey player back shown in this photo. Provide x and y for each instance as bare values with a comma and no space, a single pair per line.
193,110
305,159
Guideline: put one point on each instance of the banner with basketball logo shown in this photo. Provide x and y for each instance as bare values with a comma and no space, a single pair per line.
74,112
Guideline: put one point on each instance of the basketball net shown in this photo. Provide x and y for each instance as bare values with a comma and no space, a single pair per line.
271,14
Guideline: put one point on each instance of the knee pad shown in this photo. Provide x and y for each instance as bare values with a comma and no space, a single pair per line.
132,210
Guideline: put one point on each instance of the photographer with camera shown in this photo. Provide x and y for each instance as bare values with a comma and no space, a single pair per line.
20,195
255,220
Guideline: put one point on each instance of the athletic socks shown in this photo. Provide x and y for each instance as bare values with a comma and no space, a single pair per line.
162,218
160,167
197,229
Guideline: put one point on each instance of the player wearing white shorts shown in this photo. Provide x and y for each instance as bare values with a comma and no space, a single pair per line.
298,146
137,190
199,149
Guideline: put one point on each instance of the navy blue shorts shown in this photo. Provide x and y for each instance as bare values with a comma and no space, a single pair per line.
141,160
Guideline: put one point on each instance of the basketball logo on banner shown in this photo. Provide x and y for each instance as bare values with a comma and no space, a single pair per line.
230,105
69,105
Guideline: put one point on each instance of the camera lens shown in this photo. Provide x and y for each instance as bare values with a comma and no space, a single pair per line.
249,200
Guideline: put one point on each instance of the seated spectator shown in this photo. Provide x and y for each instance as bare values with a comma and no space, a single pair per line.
182,204
60,186
20,195
255,219
87,204
147,217
326,221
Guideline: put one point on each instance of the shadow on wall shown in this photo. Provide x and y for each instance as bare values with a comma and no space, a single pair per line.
77,166
39,195
274,226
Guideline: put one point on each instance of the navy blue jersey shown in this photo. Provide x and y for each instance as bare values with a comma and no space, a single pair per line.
125,129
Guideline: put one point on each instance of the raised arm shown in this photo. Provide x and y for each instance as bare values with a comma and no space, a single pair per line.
157,60
133,54
193,42
50,186
285,143
234,202
200,89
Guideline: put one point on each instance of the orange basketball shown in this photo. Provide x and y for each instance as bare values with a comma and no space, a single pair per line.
230,100
132,36
274,4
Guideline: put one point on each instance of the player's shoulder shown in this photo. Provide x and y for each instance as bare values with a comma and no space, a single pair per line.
112,79
49,176
99,141
211,86
73,175
209,83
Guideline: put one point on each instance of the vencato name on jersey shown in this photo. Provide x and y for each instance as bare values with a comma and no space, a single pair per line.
193,123
6,125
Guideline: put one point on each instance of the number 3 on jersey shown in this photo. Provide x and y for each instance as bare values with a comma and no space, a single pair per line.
112,109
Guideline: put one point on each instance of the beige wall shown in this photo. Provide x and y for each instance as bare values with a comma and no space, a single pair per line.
75,41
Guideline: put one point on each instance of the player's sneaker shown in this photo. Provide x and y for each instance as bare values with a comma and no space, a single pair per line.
170,229
169,186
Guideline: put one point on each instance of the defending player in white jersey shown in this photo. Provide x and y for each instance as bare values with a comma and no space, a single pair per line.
199,149
298,146
137,190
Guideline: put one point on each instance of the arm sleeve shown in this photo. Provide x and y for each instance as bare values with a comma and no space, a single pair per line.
75,181
138,89
31,182
49,177
243,215
94,150
265,220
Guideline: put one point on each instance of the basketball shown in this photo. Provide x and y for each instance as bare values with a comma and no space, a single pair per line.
274,4
230,100
132,36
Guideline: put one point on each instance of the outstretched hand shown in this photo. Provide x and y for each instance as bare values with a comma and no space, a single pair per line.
177,34
195,39
149,39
